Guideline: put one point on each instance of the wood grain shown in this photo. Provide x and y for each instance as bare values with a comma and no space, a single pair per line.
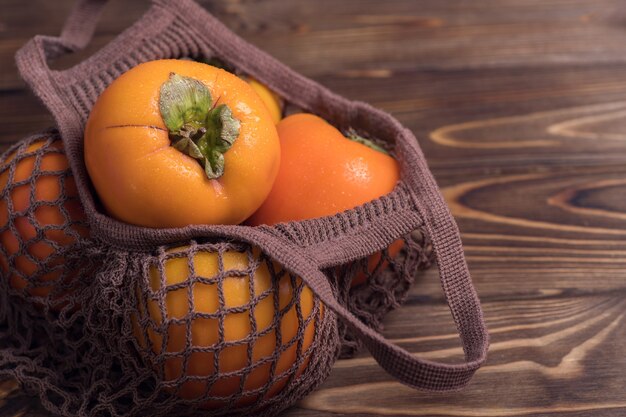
520,108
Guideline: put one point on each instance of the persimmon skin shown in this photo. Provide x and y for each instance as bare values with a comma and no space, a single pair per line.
237,326
271,100
323,173
142,180
47,188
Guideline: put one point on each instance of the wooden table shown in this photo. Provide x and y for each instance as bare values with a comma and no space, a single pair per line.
520,107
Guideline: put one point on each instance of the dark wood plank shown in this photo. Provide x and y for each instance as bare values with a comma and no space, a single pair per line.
520,107
545,359
368,36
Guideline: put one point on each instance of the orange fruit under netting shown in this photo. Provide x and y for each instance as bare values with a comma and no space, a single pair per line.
225,327
41,218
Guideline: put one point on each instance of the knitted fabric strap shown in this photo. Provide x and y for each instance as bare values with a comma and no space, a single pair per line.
428,207
77,31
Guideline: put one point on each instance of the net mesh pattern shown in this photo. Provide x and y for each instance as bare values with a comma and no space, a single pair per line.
227,330
205,329
373,286
43,228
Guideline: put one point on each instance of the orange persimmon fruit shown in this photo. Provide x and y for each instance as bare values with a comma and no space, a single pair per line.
271,99
172,143
237,325
34,237
323,172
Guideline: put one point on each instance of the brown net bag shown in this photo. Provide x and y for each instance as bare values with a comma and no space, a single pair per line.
205,328
127,349
42,223
373,286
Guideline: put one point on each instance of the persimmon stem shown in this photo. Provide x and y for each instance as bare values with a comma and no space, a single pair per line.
355,137
196,128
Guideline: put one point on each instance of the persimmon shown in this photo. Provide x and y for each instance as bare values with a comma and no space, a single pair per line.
237,325
270,98
175,142
36,234
323,173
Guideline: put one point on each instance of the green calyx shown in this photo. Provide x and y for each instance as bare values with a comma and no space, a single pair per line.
355,137
196,128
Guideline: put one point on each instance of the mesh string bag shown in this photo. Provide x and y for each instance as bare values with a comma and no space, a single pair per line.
197,339
41,221
373,286
48,261
134,347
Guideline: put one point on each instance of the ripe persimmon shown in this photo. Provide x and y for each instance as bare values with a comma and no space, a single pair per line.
238,333
270,98
175,142
323,172
272,101
41,217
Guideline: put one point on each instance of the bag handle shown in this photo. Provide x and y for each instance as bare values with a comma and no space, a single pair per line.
76,34
432,214
398,362
458,290
78,28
